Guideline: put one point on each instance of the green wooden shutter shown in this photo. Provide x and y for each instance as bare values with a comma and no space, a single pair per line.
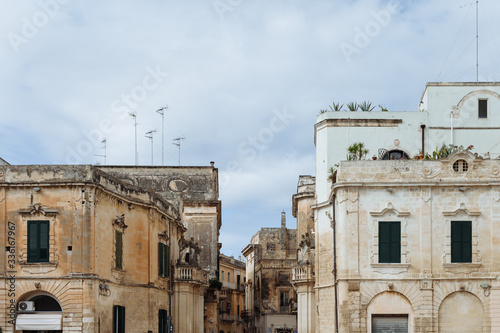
161,260
389,242
118,249
383,242
395,242
44,241
466,241
461,241
33,254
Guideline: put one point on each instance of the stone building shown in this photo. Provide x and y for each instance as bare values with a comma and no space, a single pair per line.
303,271
270,297
90,250
232,295
404,243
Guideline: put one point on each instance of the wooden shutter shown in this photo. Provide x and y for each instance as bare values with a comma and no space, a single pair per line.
389,238
38,241
44,241
466,241
118,249
461,241
33,253
161,260
395,242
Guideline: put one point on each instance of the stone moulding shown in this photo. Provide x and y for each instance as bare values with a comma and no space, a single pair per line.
461,213
390,214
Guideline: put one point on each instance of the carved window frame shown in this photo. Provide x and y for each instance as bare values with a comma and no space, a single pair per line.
120,226
461,214
389,214
163,238
32,214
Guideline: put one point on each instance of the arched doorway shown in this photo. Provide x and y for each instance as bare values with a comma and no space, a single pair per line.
39,313
461,312
390,312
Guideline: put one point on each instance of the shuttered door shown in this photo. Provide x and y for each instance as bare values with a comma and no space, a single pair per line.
389,324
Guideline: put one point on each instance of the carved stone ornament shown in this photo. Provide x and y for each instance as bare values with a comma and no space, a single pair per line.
119,221
164,235
37,209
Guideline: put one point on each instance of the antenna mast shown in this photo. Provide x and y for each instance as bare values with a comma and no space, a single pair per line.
134,115
178,144
104,147
162,112
477,40
150,135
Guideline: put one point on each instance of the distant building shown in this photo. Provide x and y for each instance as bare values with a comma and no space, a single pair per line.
232,295
404,243
96,249
270,297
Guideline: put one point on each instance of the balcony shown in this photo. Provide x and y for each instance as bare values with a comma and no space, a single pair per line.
191,274
302,274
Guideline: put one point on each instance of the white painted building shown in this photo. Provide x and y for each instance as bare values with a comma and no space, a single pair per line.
420,282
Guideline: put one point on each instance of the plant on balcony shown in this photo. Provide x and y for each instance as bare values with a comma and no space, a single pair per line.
357,151
332,173
366,106
352,106
215,284
383,108
323,111
336,106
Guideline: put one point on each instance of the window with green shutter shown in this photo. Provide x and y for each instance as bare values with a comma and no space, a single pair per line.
118,249
163,260
38,241
461,241
389,242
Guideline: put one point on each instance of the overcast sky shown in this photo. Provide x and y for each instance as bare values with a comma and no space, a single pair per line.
243,80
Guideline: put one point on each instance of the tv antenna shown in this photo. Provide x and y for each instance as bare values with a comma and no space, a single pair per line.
477,36
178,144
162,112
104,147
134,115
150,136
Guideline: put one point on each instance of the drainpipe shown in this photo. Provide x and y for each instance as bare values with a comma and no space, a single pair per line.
423,139
451,121
335,266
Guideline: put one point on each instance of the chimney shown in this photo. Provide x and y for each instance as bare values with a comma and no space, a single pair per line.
283,220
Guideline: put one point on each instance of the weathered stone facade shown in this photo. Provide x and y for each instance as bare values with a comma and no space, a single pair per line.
103,239
270,297
232,295
436,270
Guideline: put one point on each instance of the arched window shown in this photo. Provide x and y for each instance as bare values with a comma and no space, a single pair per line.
395,154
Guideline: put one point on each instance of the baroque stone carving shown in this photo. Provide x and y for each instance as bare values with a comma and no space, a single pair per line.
119,221
189,252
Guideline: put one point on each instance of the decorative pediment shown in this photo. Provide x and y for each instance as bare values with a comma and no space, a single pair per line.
119,221
390,210
38,209
461,211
